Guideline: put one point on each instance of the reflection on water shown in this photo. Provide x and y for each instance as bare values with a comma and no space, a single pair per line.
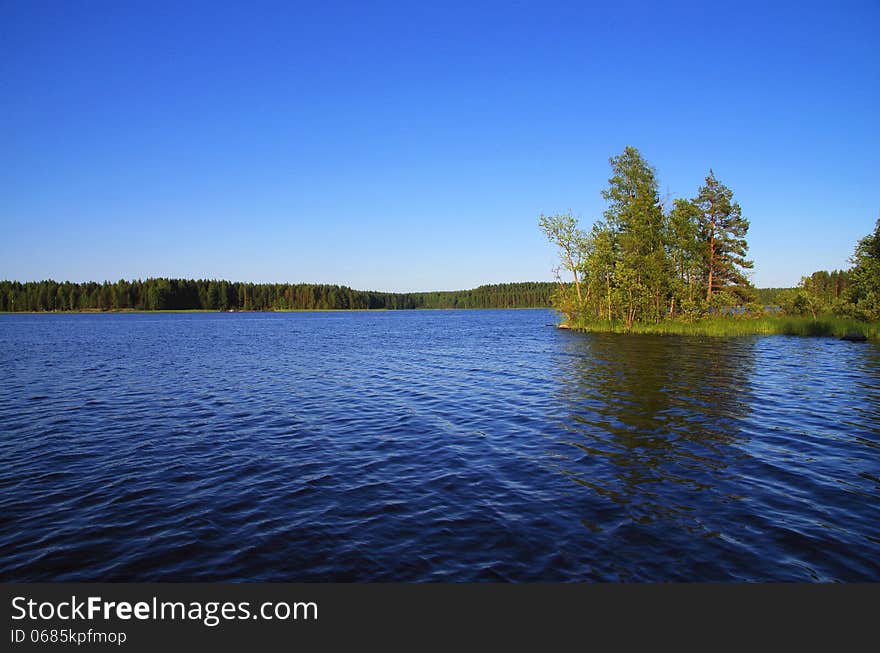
713,453
435,445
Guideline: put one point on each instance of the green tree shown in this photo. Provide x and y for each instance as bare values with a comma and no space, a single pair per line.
635,217
797,301
723,230
686,254
864,277
603,250
212,298
563,231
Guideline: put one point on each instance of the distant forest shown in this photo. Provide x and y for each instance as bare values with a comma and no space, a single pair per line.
829,288
202,294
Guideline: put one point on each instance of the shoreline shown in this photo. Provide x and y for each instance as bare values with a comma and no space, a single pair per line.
823,327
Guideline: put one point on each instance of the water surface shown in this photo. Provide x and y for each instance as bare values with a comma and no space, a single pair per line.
430,445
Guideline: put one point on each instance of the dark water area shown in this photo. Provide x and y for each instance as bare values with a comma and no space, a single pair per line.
428,446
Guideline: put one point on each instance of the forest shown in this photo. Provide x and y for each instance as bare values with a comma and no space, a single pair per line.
217,295
649,261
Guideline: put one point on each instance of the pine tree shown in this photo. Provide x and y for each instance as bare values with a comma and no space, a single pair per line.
723,231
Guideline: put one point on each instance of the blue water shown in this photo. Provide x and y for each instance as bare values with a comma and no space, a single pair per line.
430,445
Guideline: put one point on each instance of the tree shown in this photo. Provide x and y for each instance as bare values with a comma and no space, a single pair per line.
864,277
158,294
212,297
797,301
812,295
723,231
685,252
603,252
635,217
563,231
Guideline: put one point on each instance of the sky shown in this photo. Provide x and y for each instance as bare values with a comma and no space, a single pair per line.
412,146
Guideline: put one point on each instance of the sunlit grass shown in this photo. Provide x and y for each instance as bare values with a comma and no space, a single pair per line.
829,326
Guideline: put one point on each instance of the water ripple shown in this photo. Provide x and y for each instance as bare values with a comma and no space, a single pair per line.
430,445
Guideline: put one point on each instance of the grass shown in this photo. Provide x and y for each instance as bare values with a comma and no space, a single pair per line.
828,326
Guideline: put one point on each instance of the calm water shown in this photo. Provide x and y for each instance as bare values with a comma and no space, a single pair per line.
431,445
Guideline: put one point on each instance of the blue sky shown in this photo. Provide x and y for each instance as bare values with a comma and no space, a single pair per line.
412,146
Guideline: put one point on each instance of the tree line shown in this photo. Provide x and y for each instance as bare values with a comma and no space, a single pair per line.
221,295
830,288
851,293
648,260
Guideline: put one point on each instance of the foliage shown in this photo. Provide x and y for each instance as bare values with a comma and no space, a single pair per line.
853,293
798,302
863,293
723,230
562,230
769,296
202,294
642,263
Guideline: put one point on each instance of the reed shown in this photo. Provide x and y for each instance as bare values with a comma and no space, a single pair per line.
828,326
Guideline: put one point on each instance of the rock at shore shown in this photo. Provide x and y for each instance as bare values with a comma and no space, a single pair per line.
854,336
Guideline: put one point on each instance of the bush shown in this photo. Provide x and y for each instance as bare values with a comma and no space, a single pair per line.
692,309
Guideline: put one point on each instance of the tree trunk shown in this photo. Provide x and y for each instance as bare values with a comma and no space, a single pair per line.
608,285
577,282
711,263
712,223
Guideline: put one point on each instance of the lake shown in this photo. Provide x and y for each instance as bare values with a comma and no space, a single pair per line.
430,446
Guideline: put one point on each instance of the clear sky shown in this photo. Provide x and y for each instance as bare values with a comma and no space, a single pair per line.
412,146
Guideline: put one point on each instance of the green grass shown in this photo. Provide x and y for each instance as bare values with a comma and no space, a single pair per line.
828,326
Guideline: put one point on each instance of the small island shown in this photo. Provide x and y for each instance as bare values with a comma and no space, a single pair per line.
681,268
